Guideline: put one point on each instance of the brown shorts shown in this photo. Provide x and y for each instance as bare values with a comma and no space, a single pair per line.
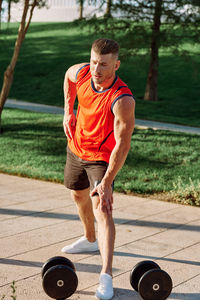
80,174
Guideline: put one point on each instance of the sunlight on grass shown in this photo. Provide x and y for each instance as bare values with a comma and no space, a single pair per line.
49,49
34,145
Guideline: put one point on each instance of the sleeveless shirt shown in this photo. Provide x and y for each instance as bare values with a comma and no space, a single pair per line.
93,139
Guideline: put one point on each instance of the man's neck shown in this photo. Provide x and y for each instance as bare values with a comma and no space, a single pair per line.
104,86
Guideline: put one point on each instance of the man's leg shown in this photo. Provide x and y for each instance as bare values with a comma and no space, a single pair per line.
76,179
85,210
106,236
88,242
106,239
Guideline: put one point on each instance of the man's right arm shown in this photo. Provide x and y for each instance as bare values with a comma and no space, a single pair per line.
69,121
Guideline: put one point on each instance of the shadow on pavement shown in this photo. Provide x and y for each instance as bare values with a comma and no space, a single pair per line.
134,222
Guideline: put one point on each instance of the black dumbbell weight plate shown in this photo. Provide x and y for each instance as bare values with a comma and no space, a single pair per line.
56,260
155,285
139,269
60,282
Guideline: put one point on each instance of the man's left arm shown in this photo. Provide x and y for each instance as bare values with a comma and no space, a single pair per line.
124,122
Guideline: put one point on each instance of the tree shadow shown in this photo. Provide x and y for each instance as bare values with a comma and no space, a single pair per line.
120,221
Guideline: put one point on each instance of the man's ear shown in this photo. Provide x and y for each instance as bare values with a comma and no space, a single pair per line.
117,65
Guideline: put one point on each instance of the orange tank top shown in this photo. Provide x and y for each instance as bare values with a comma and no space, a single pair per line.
94,134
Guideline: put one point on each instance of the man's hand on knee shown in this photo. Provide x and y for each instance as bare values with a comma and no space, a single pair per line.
105,194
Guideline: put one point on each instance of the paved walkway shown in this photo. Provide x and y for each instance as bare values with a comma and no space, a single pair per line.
38,218
139,123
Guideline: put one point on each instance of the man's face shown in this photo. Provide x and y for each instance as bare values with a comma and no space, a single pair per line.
103,67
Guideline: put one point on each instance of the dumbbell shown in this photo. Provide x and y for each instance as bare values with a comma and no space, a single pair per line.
59,279
150,281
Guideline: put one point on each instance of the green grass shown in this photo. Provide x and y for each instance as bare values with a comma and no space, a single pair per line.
33,145
50,48
159,162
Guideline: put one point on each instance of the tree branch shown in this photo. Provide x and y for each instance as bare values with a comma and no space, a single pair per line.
35,2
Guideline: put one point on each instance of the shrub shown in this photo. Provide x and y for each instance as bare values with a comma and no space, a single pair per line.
186,193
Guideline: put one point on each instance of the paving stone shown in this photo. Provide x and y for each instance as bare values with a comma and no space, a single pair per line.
32,208
40,237
39,218
189,290
182,265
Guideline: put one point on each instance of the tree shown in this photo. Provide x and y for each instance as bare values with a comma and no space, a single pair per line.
1,1
28,7
152,79
103,5
80,2
9,8
184,13
108,9
9,11
174,12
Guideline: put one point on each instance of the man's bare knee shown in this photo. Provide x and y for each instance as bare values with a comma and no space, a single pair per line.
101,216
80,196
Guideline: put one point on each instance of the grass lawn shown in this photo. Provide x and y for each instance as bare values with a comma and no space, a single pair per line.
33,145
50,48
159,163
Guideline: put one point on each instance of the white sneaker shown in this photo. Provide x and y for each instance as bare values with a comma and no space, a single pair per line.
82,245
105,289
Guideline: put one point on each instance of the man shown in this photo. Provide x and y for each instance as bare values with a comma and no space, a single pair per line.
99,139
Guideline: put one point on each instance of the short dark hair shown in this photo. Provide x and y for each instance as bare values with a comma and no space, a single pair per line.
106,46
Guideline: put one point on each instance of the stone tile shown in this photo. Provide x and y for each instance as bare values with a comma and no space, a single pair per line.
13,270
182,265
40,218
37,220
34,239
189,290
32,208
127,201
129,233
29,288
31,262
178,216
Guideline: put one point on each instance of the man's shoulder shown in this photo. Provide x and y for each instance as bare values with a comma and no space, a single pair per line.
120,87
121,92
121,82
82,71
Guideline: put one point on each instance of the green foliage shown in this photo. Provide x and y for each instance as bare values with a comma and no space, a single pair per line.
50,48
186,192
157,159
13,287
173,11
33,145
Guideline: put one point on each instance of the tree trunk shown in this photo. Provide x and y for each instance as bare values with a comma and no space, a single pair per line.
81,9
9,11
108,9
8,74
152,79
0,11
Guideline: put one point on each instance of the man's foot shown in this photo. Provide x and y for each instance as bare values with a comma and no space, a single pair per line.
82,245
105,289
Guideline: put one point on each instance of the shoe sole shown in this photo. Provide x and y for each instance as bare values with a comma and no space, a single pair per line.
104,299
81,251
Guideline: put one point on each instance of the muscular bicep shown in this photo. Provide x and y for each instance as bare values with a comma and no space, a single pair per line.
124,122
